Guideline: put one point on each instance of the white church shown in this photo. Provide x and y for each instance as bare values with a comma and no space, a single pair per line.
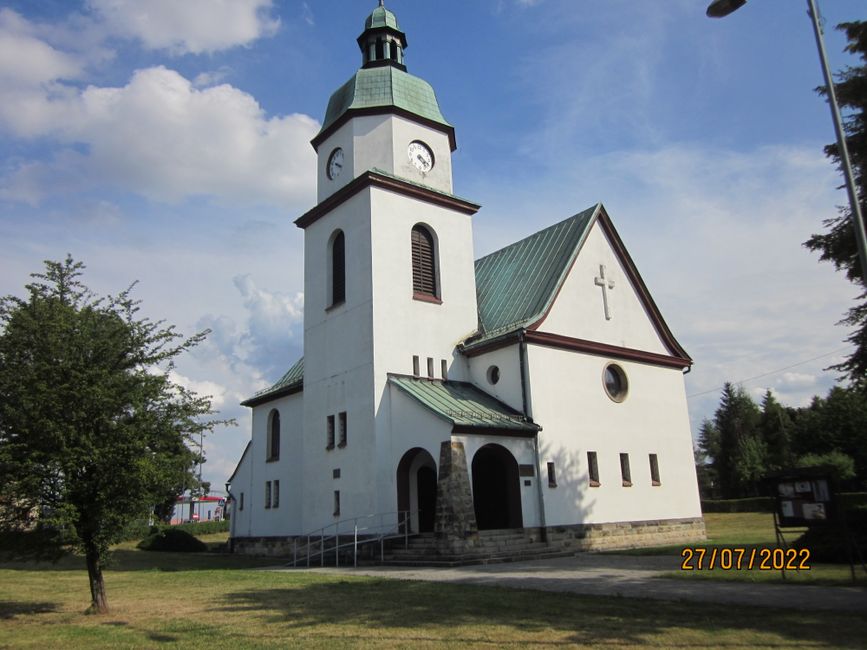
536,389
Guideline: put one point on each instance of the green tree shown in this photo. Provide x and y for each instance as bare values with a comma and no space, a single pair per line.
740,458
837,244
706,453
92,430
776,427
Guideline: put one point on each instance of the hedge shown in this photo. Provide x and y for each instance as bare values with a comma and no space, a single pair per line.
140,530
848,500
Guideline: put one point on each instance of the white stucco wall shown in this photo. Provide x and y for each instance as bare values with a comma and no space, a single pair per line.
241,521
509,388
381,141
286,518
578,310
570,403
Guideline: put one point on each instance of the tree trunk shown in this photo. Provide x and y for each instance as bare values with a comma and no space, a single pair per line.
98,602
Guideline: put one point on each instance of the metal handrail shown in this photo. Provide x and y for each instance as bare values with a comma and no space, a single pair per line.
385,531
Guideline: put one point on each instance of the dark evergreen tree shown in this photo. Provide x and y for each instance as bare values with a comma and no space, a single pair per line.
741,457
92,431
837,244
776,427
706,453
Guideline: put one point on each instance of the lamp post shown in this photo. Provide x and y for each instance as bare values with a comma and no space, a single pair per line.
721,8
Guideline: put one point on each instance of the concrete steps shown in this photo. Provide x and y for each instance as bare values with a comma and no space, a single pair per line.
491,546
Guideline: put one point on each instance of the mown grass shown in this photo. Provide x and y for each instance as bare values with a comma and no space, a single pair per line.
213,601
753,530
177,600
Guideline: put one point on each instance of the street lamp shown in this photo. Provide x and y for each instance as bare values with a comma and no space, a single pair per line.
721,8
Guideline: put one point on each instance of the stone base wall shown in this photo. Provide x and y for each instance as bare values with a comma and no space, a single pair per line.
627,534
267,546
560,539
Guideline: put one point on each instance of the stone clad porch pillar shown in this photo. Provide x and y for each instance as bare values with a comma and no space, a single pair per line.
455,527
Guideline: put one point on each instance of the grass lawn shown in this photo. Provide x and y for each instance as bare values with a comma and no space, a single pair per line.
211,601
754,529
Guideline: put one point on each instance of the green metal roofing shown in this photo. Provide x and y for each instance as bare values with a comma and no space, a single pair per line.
383,87
516,284
463,404
294,378
381,17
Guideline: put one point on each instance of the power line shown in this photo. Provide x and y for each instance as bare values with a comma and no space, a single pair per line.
772,372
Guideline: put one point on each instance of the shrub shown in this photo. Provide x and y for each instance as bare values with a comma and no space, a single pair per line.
172,539
828,543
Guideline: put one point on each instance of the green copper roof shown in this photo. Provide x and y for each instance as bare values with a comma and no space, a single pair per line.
515,285
381,17
383,87
293,379
463,404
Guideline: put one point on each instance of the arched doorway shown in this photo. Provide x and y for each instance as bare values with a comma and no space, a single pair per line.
417,489
496,488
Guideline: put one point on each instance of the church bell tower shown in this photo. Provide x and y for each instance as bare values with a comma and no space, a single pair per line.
389,279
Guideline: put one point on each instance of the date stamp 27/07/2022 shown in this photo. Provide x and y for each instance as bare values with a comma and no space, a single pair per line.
744,559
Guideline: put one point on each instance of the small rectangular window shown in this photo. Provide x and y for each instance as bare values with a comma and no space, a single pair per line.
241,502
329,426
593,469
552,476
341,419
430,372
267,494
654,470
275,494
624,470
415,367
444,367
335,473
336,503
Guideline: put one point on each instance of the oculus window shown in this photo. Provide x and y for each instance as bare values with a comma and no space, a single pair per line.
615,382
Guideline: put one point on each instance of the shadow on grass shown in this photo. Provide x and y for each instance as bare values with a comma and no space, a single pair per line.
424,610
9,609
135,560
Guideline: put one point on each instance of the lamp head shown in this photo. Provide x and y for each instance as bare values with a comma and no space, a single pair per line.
722,8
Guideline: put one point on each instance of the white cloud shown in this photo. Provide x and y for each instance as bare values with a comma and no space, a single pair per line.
188,26
27,61
211,389
162,138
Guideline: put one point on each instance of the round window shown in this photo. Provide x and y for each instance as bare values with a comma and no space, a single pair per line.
493,375
616,384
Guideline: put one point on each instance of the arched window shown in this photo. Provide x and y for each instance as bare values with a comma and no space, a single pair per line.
424,280
273,435
338,268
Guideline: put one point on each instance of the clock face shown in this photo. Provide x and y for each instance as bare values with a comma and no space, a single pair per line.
421,156
335,163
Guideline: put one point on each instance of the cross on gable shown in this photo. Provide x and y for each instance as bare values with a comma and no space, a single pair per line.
606,285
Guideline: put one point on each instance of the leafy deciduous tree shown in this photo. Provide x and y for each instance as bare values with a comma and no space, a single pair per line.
92,431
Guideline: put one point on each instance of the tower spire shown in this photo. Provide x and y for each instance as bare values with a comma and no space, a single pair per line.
382,43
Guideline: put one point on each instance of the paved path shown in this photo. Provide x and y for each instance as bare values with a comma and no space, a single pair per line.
626,576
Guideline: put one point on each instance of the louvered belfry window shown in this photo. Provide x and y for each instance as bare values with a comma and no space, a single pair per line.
423,263
338,269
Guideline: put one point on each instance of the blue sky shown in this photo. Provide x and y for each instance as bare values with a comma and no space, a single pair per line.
168,142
